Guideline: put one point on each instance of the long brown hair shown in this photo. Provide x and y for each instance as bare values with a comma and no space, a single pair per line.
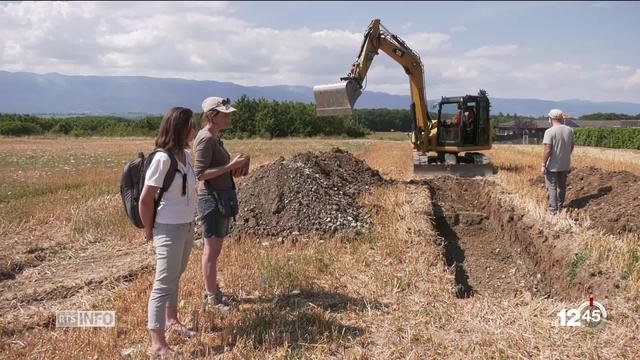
174,129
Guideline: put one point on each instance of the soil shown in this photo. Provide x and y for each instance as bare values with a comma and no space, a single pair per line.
311,193
67,279
484,260
495,248
611,199
491,244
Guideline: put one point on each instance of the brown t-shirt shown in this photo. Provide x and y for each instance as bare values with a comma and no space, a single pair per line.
210,153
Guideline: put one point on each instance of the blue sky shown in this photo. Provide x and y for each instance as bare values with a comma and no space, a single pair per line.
546,50
570,30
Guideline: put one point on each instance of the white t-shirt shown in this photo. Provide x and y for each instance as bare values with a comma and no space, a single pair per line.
174,208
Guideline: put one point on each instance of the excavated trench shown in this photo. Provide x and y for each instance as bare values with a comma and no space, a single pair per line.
493,247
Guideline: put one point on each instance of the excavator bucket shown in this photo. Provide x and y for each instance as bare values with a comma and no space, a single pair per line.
336,99
422,168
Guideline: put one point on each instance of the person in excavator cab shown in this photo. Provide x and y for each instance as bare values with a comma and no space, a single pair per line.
457,119
468,124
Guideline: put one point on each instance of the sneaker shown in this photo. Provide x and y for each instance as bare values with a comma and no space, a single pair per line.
212,300
219,297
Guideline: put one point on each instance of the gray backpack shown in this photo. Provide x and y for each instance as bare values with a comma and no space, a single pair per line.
132,183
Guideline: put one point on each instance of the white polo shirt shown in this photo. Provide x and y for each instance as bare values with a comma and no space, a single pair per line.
174,208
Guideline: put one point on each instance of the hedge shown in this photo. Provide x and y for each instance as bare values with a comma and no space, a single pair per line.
618,138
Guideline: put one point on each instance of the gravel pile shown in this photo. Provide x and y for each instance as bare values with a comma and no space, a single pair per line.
309,193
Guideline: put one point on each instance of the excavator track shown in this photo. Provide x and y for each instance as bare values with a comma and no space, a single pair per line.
424,166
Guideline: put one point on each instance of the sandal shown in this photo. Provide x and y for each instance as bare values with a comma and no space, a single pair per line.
169,354
181,330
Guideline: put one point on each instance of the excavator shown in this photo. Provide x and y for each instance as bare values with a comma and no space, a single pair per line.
446,146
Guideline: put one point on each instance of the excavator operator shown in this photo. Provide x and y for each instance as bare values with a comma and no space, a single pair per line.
469,124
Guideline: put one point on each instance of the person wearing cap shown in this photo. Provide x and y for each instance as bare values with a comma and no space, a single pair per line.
214,170
556,159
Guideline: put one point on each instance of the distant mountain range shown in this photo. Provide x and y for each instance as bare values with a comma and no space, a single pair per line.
30,93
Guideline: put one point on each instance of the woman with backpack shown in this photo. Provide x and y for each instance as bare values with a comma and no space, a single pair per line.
217,201
171,224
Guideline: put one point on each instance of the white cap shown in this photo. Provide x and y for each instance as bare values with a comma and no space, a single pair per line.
556,114
217,103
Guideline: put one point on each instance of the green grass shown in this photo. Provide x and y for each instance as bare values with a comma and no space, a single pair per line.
282,274
633,263
579,259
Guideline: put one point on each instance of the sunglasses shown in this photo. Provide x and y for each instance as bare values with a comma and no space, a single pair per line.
225,102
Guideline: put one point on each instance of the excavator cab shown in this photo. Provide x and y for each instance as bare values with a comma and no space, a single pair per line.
463,121
463,128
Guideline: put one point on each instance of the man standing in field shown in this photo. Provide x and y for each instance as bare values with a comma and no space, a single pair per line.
558,146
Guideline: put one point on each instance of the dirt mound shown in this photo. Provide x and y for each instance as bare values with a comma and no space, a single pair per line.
309,193
610,198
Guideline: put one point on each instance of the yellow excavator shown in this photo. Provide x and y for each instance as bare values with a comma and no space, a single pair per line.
447,146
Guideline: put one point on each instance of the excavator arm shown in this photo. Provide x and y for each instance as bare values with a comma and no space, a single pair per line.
339,99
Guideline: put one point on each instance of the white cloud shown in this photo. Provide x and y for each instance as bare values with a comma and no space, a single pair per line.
211,41
493,50
137,39
633,82
553,73
562,80
427,42
193,40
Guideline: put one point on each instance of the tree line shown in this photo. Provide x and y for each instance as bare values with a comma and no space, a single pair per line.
254,118
271,118
24,125
609,116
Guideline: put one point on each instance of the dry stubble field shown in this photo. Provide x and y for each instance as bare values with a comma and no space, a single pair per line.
450,269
